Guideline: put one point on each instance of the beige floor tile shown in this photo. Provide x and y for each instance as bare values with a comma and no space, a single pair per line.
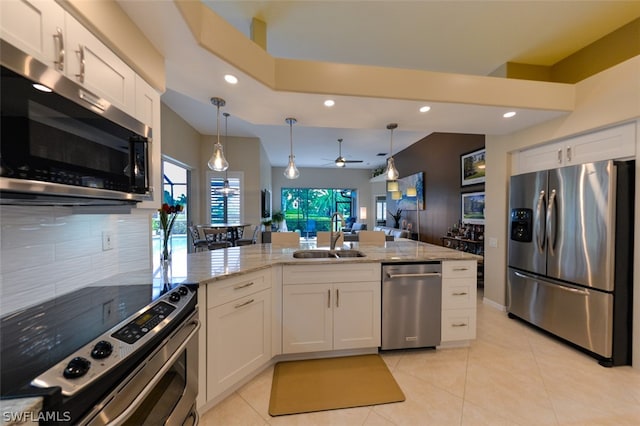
511,375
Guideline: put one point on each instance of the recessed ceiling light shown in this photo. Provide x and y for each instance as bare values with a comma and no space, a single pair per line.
425,108
231,79
509,114
329,103
41,88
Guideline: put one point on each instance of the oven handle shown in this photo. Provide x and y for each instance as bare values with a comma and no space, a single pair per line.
149,387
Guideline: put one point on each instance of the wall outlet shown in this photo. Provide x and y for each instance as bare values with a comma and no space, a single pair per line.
108,311
493,242
107,241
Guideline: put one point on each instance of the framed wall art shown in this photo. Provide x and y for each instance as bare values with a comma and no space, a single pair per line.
473,208
472,166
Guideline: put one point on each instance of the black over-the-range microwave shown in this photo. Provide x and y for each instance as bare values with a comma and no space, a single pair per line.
61,142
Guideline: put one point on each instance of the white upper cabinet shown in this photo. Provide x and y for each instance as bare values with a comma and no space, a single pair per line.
43,29
97,68
36,27
614,143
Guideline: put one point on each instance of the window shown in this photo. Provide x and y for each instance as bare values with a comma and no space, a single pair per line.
174,191
225,209
309,210
381,210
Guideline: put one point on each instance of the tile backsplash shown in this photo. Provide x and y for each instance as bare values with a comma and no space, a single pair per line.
49,251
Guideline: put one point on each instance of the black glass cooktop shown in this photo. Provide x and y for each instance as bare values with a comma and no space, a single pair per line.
34,339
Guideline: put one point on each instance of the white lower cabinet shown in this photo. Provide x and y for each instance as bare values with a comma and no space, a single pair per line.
459,288
238,330
340,310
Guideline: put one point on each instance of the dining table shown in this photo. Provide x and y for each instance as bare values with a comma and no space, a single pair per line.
235,230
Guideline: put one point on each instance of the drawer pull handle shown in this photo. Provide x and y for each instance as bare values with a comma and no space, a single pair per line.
241,286
244,304
329,298
462,293
460,269
337,298
459,325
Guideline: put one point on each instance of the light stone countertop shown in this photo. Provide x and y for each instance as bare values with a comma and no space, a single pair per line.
203,267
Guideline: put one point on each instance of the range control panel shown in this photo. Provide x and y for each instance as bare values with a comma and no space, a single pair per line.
110,349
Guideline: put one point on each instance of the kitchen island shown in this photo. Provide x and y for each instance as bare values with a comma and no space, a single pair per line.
259,304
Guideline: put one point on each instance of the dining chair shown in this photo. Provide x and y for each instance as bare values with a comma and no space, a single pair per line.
370,238
249,241
285,239
216,238
197,241
324,239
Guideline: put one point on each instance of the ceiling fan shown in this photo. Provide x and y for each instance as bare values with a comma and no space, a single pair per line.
341,161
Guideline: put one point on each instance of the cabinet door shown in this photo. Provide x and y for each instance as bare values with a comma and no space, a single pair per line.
608,144
356,315
95,66
147,108
238,340
35,26
307,318
544,157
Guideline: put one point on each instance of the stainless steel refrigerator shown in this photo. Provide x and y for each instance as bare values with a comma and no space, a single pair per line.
570,255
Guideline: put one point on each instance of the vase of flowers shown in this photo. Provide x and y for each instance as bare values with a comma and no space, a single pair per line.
168,216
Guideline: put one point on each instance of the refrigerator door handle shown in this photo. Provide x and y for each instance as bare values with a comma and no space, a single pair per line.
551,224
540,241
555,284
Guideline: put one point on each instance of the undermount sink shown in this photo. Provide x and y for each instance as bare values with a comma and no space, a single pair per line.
326,254
312,254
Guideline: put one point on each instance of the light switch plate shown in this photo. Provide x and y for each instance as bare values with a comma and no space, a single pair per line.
493,242
107,241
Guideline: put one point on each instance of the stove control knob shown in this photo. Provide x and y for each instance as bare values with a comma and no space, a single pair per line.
101,350
77,367
174,297
183,291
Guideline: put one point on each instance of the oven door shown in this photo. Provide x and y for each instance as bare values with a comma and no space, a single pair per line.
162,390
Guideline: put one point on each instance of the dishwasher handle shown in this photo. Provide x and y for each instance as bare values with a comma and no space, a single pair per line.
415,275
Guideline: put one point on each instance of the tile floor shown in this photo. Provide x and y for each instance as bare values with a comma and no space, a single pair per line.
510,375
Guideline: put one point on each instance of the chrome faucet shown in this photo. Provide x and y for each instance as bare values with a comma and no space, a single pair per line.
333,240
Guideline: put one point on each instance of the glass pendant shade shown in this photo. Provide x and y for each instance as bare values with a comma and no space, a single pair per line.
226,189
391,172
217,162
291,172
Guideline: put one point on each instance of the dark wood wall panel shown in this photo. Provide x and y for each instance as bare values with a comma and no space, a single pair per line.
438,156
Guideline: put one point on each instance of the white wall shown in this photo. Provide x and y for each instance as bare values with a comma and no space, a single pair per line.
605,99
50,251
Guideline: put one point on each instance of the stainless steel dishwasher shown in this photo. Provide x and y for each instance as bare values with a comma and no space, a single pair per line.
411,305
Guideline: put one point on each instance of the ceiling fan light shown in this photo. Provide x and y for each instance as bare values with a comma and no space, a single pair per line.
227,189
340,162
291,172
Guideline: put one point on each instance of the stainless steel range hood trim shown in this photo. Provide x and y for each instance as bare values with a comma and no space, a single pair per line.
31,192
19,191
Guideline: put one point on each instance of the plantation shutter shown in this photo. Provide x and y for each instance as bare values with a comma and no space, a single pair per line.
224,209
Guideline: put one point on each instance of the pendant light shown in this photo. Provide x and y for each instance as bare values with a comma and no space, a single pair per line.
391,171
226,190
291,172
217,161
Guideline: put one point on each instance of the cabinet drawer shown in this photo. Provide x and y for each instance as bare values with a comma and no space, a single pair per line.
331,273
223,291
458,324
459,269
458,293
